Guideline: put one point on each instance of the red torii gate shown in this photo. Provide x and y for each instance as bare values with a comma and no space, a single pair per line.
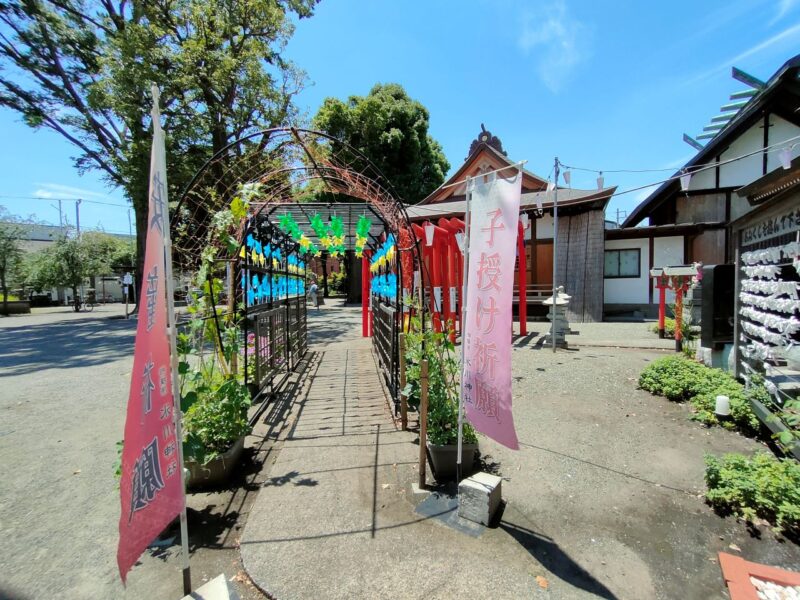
679,279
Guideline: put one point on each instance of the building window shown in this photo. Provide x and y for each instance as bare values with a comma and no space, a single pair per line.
623,263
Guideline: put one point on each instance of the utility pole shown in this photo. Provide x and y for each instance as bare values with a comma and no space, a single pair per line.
78,230
78,217
555,256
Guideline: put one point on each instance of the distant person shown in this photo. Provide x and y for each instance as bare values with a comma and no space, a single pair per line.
312,294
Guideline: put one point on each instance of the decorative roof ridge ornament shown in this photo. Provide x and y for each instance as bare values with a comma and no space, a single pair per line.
486,137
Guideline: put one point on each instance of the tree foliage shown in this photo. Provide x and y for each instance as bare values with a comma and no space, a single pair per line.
11,234
69,261
64,264
390,129
84,68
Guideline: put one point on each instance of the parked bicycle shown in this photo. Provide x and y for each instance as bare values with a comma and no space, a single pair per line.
87,305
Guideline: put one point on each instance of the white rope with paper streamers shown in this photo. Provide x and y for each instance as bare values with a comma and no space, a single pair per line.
784,305
771,287
775,339
762,271
785,326
755,349
772,255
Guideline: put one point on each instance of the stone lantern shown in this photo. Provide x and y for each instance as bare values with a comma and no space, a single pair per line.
558,313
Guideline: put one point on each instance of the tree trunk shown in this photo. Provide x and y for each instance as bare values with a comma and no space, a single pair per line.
75,298
324,274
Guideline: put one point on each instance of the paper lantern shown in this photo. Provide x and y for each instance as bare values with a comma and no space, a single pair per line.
429,231
685,179
786,158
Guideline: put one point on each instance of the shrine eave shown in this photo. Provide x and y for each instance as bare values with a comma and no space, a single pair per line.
531,181
569,200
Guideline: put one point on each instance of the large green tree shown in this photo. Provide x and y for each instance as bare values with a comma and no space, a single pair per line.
390,129
83,68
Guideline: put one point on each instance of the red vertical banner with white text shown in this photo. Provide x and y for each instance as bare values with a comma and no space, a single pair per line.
486,380
151,493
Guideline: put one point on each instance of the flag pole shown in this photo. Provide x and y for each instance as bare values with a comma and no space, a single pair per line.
467,198
173,352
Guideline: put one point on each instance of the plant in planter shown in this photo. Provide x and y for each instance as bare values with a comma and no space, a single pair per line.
443,393
214,397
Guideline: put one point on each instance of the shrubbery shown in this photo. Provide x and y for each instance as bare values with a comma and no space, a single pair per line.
681,379
760,486
337,282
669,329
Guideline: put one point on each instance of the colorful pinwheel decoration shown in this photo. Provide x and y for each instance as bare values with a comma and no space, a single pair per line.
362,231
290,227
336,235
321,230
384,255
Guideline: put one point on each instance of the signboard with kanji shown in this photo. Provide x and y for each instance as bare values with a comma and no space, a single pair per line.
151,493
486,381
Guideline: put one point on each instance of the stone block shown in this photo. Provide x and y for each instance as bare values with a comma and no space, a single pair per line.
479,497
216,589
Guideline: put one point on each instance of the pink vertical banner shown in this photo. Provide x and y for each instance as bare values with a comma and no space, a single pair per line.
486,379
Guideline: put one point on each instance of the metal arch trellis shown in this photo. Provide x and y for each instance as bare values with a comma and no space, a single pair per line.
273,168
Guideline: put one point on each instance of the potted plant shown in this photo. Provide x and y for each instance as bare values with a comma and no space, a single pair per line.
443,394
214,402
215,425
214,396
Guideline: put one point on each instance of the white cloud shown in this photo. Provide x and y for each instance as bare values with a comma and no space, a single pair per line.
558,41
66,192
787,34
784,6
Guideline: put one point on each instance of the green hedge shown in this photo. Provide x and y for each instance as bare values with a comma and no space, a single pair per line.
759,486
680,379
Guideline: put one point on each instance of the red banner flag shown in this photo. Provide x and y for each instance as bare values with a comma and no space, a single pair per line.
151,491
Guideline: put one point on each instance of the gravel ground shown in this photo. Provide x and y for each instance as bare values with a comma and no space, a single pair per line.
614,477
64,381
605,493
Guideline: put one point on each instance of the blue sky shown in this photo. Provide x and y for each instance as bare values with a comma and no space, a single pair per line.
604,85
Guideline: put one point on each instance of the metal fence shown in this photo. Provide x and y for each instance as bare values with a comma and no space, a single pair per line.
280,342
385,341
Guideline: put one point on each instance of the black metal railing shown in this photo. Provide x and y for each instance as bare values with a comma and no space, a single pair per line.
280,343
385,341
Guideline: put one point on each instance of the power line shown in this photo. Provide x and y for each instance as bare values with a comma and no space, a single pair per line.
714,165
677,176
63,200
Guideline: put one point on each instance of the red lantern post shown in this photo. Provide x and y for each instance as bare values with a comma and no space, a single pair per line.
365,293
662,284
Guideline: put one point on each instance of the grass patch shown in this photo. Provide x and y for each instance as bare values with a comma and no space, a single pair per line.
680,379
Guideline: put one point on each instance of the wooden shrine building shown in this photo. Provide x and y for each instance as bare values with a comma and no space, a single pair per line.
580,229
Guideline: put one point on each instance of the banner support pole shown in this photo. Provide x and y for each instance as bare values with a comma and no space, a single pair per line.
173,352
467,198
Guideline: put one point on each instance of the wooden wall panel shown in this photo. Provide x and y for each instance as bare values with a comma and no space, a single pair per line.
574,283
594,264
